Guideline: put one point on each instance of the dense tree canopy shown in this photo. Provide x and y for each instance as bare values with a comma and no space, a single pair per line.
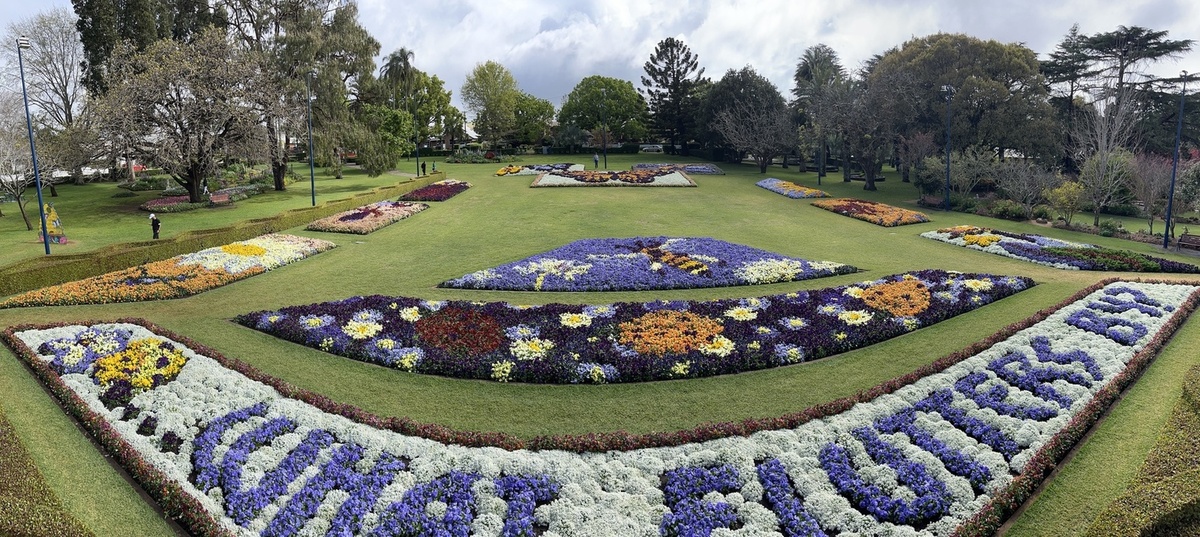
490,93
673,77
1000,98
599,101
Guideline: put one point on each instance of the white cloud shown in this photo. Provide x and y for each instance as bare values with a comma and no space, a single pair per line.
551,45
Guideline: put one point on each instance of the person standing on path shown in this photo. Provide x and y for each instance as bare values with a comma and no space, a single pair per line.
422,168
155,224
596,161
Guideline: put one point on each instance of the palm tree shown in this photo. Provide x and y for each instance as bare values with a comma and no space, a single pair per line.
818,70
397,71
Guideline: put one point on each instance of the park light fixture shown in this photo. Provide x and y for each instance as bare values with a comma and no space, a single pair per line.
23,43
949,94
312,175
1175,161
604,122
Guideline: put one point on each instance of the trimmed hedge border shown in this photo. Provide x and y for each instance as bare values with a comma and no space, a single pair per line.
1163,496
30,507
44,271
1004,502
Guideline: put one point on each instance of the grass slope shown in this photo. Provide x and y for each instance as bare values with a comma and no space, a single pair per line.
501,219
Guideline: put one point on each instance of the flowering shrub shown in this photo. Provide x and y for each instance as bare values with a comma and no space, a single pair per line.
946,454
536,169
439,191
651,177
179,276
790,189
646,263
1054,252
698,169
628,341
367,218
871,211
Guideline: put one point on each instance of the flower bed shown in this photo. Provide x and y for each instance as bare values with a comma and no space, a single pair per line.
871,211
613,178
790,189
439,191
172,204
1054,252
697,169
535,169
629,341
179,276
231,450
642,263
367,218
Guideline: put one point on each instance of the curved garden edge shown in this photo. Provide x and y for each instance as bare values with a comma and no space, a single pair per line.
178,505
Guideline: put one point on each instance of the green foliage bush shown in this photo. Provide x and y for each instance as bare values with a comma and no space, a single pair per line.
1109,227
1165,496
52,270
1008,210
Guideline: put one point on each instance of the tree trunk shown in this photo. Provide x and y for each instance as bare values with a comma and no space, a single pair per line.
1096,216
278,155
24,216
53,190
763,162
904,169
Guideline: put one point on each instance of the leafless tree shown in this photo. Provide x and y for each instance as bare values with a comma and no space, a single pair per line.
1024,183
1149,182
1105,133
764,132
16,168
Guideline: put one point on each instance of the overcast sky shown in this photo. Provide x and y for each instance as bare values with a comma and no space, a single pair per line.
551,45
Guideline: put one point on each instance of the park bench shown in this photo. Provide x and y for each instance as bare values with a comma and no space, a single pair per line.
1187,240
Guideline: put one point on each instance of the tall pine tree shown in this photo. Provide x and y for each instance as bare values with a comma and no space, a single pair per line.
672,76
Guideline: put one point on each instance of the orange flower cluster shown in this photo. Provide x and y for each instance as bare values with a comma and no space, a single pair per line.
159,280
666,332
876,213
903,298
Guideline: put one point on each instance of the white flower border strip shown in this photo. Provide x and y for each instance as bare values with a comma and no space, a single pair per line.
923,460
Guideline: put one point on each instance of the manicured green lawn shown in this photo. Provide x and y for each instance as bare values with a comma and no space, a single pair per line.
501,219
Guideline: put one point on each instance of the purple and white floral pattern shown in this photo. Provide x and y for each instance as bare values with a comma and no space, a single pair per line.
1055,253
642,263
560,344
696,169
915,462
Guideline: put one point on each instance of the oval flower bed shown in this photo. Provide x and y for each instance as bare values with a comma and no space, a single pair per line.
651,177
948,451
179,276
1054,252
535,169
874,212
367,218
439,191
790,189
641,263
629,341
698,169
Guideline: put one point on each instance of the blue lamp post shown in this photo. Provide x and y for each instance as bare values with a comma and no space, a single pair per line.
604,122
312,175
949,94
1175,161
23,43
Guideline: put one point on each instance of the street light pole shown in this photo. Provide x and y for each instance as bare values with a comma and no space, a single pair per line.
23,43
1175,162
312,174
604,123
949,94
